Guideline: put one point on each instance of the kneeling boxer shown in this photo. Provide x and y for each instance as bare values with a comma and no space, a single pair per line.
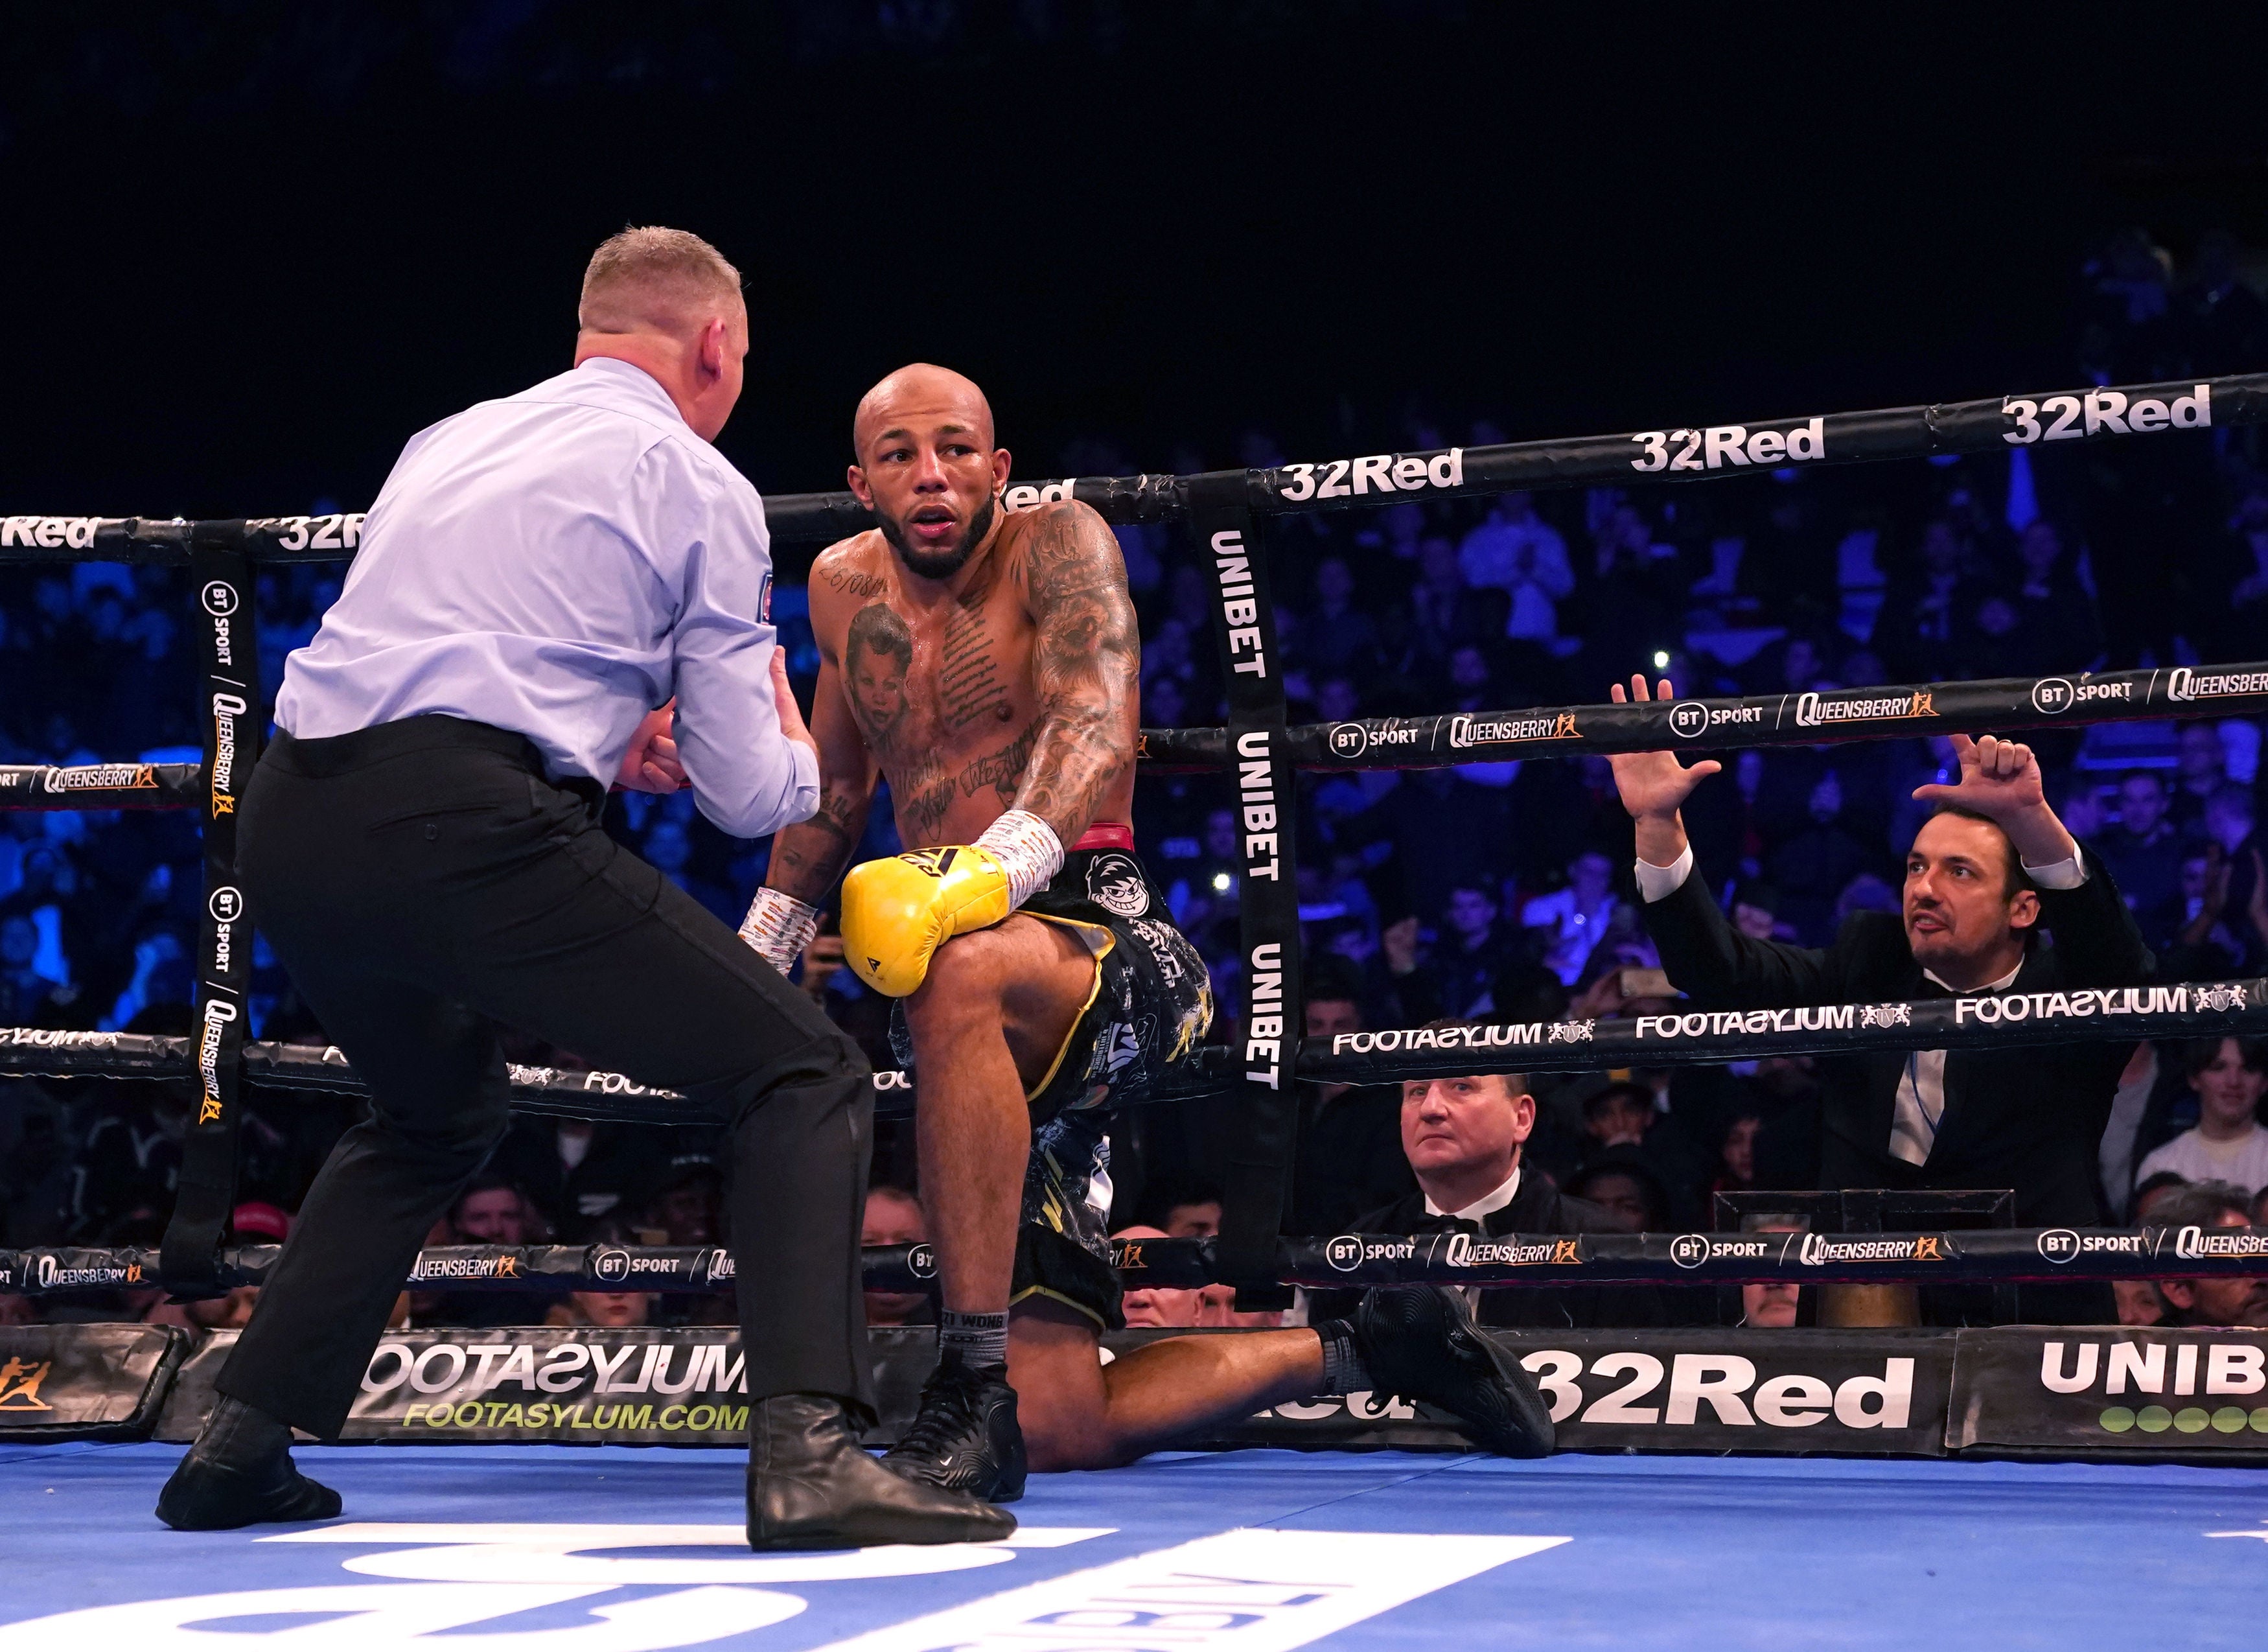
987,664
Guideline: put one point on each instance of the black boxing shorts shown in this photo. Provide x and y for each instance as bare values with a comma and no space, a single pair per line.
1151,1002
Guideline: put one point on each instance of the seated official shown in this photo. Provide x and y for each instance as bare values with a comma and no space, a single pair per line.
2222,1302
1986,873
1463,1137
894,1217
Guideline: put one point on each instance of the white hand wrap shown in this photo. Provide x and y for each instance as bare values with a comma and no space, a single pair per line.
779,928
1028,851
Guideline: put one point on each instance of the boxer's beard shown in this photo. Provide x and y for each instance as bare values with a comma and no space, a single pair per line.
939,565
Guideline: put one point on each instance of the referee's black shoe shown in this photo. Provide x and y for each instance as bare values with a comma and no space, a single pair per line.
964,1437
812,1485
1420,1342
240,1473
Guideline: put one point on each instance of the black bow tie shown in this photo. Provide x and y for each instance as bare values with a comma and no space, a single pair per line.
1444,1224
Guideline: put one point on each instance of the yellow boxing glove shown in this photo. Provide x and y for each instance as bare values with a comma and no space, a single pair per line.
897,913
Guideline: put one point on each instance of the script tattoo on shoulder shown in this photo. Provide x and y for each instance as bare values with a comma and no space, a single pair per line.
1086,661
853,583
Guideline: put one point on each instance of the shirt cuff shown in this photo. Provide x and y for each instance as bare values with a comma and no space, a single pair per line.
2059,875
1659,883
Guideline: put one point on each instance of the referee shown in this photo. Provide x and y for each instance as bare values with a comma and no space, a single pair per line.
421,845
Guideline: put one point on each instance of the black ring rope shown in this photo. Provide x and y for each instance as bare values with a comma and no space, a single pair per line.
1977,1256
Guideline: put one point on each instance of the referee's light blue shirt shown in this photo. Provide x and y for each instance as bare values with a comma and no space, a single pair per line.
558,563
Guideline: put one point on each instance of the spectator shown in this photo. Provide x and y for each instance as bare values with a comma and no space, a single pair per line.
1516,551
2228,1144
492,1211
2241,1300
1472,953
894,1217
2201,770
1736,1155
1349,1138
1195,1214
1444,611
2143,851
1774,1306
1618,1116
2056,615
1338,635
1619,1183
1572,919
2138,1301
2151,1194
1757,909
604,1309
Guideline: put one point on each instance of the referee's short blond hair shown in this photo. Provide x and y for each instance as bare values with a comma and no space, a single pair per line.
651,278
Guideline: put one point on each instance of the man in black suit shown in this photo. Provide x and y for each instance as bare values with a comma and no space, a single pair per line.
1987,871
1463,1137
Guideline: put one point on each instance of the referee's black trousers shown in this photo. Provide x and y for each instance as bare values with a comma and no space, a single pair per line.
425,885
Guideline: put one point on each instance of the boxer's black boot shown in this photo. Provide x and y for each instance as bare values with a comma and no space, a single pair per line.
812,1485
239,1474
965,1437
1421,1343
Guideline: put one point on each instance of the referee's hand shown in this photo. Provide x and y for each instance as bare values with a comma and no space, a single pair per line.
651,764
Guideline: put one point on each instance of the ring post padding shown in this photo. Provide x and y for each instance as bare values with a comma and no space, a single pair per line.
234,715
1260,1141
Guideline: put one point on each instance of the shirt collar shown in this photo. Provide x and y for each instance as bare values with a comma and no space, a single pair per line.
1486,1204
2001,985
635,380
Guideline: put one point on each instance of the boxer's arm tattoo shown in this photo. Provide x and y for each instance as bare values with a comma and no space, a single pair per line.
809,856
1086,663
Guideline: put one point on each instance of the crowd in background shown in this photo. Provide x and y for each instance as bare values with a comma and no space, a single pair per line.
1498,890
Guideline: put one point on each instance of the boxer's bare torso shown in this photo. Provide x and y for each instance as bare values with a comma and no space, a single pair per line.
946,684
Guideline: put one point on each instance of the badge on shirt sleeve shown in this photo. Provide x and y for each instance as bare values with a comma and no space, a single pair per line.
764,600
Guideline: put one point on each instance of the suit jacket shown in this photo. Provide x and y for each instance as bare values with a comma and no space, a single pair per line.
1537,1208
2026,1118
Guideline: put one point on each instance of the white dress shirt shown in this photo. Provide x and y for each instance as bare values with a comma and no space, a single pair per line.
558,563
1920,1102
1486,1204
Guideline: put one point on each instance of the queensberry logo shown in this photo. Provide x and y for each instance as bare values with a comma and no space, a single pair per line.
1814,710
1466,732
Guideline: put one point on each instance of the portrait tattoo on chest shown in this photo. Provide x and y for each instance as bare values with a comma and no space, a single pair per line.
876,658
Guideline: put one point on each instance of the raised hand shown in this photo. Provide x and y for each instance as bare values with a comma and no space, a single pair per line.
2001,780
1654,784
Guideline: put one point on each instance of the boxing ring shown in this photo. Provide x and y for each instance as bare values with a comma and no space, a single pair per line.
1976,1504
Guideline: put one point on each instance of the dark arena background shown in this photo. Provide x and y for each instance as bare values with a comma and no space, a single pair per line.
1878,378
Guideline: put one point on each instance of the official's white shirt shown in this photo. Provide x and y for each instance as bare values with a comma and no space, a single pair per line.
558,563
1486,1204
1919,1105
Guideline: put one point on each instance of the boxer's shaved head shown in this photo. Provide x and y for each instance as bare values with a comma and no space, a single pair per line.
653,279
935,399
